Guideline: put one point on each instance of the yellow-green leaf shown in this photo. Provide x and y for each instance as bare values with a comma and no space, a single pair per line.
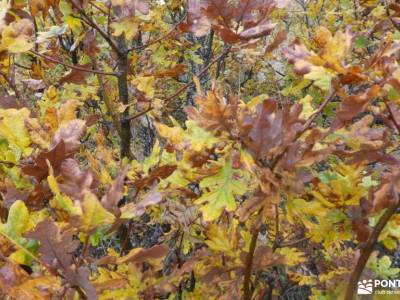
322,77
94,214
18,220
12,128
221,195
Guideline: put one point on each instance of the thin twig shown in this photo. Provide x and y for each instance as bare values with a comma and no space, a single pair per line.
289,244
84,250
249,265
11,84
126,239
367,250
277,237
392,116
395,25
72,66
160,38
94,25
8,163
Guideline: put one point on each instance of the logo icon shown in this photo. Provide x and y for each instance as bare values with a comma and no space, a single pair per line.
365,287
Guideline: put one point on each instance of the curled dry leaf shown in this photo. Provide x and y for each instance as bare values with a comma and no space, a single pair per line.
132,210
224,17
75,181
270,130
56,250
70,133
111,199
39,167
140,255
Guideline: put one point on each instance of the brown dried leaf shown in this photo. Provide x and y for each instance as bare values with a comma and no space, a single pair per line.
75,181
213,113
55,248
76,76
111,199
279,39
70,133
257,31
353,105
265,258
154,175
39,169
132,210
267,132
139,255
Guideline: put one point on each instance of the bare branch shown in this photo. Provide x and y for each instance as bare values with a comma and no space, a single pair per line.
94,25
160,38
367,250
72,66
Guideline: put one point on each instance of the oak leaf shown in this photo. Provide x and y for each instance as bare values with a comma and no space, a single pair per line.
75,181
56,249
111,199
220,191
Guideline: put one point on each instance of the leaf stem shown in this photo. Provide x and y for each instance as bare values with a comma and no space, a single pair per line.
11,84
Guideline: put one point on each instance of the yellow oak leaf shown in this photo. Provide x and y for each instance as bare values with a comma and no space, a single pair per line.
12,128
145,84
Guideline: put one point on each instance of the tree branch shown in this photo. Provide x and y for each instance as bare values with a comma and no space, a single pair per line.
367,250
392,116
249,265
160,38
72,66
11,84
95,26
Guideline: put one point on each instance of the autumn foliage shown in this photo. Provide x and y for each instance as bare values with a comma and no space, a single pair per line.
199,149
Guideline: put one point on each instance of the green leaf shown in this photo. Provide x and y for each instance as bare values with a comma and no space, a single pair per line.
222,190
326,177
292,256
307,109
368,182
12,128
198,137
393,95
382,267
322,77
18,220
361,42
94,214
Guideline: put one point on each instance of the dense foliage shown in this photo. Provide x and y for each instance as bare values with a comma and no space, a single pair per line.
199,149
